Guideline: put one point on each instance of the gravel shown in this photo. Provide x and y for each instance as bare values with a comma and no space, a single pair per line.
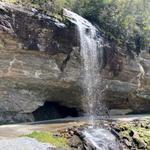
23,143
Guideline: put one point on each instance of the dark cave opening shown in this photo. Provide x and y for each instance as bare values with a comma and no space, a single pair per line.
52,110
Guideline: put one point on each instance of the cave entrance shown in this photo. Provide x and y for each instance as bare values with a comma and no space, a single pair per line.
52,110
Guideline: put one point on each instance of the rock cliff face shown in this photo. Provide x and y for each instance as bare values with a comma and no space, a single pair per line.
127,91
34,52
40,62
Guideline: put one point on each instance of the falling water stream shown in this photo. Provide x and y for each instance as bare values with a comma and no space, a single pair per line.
90,69
101,139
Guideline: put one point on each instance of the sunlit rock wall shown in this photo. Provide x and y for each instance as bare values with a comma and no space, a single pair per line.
125,92
38,63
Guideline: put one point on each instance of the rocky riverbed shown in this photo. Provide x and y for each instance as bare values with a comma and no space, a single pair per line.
130,133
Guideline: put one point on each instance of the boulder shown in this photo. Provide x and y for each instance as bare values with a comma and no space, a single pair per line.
75,141
140,142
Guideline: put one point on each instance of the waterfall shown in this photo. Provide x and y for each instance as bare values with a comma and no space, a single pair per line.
90,49
101,139
89,46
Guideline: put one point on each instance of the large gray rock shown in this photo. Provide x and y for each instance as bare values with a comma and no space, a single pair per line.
38,63
122,91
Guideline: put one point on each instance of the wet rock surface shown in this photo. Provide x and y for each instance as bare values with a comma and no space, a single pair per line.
86,138
130,135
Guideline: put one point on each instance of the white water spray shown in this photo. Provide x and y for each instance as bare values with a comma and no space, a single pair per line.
101,139
89,44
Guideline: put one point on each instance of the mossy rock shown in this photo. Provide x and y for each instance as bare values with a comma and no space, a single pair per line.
140,127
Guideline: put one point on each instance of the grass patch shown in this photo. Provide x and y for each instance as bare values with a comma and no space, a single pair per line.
47,137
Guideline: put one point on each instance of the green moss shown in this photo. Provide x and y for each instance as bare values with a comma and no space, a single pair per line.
1,44
10,1
125,133
143,132
148,147
145,135
47,137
